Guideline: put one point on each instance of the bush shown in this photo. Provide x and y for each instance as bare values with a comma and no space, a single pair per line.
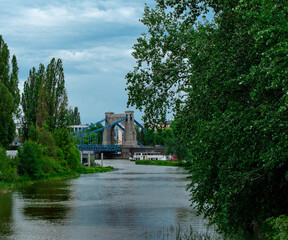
277,228
68,149
35,163
30,159
8,170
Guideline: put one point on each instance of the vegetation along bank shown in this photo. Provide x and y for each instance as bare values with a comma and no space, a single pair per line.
48,151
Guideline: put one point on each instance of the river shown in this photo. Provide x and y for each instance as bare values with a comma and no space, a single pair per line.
131,202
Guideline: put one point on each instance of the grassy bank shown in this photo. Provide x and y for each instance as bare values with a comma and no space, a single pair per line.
6,187
160,163
95,169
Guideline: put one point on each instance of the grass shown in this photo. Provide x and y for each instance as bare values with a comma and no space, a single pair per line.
160,163
95,169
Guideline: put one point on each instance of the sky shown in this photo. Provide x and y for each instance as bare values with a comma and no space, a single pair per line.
94,39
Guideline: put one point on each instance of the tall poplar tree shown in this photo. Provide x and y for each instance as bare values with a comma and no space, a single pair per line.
56,96
30,97
74,116
13,86
9,97
44,99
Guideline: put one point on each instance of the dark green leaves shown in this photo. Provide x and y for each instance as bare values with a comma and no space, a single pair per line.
44,99
9,95
226,83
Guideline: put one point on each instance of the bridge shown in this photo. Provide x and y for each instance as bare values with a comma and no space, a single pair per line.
88,140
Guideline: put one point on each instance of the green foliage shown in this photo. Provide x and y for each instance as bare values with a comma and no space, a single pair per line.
56,96
31,160
44,98
88,170
149,139
94,138
8,170
7,129
160,163
74,116
278,228
166,137
13,86
226,82
30,96
68,148
176,147
156,137
48,154
9,94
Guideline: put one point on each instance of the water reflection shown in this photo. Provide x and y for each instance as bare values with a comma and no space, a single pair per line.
6,219
46,200
123,204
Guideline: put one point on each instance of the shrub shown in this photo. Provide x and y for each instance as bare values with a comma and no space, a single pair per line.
277,228
30,159
8,170
69,150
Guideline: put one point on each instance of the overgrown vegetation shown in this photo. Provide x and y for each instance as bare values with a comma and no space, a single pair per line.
164,136
46,154
160,163
95,169
225,80
276,228
8,170
48,150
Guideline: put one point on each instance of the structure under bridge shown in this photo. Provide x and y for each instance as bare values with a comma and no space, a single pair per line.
87,140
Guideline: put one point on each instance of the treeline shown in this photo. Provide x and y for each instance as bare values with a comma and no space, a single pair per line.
225,80
163,136
48,148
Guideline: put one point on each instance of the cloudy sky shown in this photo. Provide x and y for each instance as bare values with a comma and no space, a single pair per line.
94,38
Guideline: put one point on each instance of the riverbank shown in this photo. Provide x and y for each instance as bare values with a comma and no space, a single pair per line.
123,204
160,163
6,187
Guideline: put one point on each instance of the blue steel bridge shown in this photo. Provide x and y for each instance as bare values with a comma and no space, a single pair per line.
89,140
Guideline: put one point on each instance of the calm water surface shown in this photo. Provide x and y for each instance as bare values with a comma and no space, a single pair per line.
124,204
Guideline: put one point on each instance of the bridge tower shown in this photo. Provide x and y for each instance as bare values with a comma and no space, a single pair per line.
130,133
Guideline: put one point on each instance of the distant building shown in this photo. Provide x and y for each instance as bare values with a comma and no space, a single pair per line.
77,128
118,135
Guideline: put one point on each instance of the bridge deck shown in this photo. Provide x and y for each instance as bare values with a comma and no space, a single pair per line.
99,148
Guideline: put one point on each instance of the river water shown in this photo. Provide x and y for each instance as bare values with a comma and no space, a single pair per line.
129,203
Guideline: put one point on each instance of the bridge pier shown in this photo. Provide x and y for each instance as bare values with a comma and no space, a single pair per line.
126,153
128,124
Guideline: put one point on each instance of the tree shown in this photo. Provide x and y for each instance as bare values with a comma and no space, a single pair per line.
56,98
44,98
7,129
8,170
30,97
4,62
74,116
9,98
13,86
226,82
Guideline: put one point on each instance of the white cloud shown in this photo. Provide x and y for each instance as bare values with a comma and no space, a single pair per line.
93,38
